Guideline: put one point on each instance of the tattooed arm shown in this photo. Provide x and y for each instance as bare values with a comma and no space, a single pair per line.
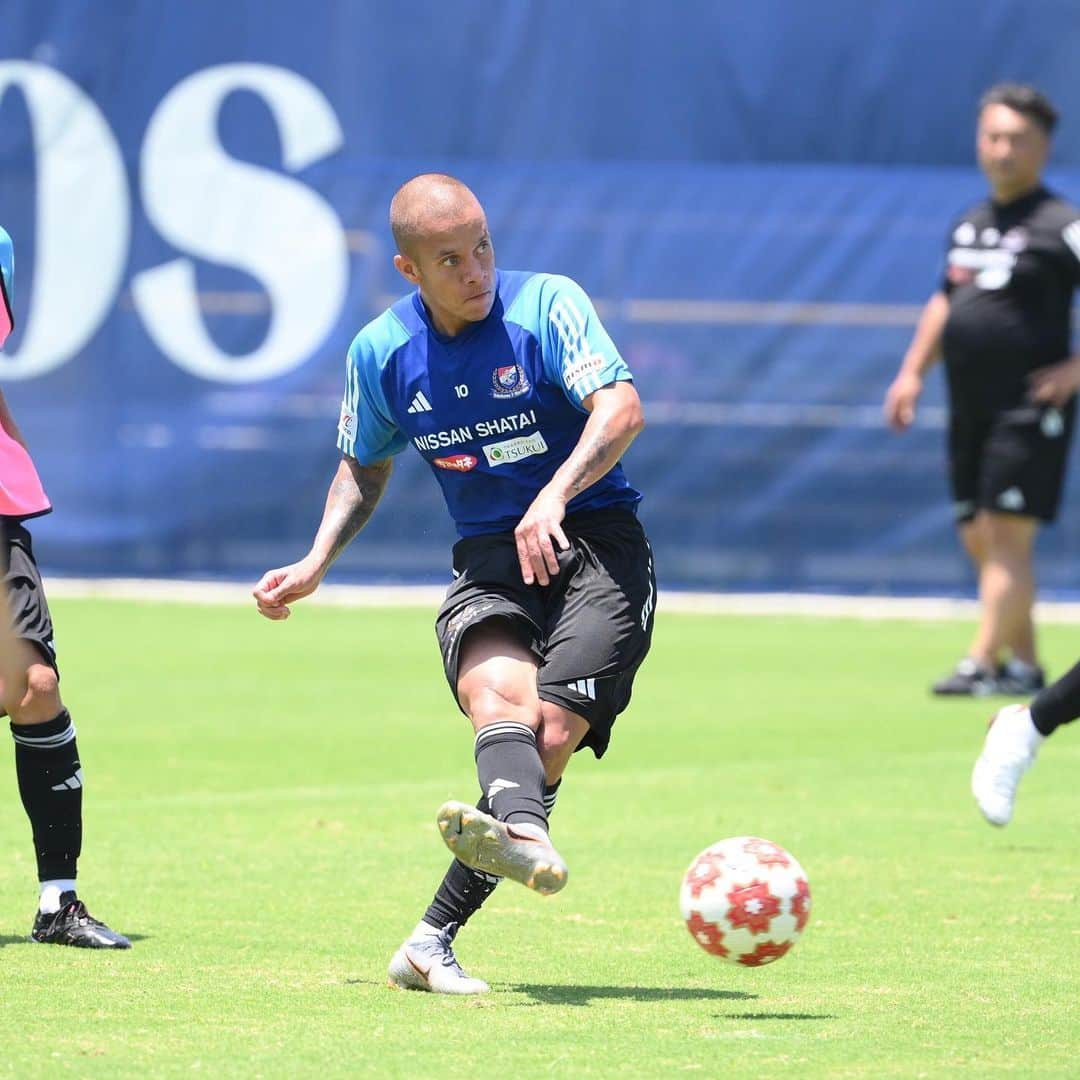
354,493
615,419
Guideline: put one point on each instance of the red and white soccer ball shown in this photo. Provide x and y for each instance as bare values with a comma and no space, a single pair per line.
746,900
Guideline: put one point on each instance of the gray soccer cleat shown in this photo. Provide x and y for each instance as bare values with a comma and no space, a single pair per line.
518,851
429,963
1008,752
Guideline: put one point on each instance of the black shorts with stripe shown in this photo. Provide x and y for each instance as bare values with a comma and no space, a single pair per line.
1011,461
26,595
590,628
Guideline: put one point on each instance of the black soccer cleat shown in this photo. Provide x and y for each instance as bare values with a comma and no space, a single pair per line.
74,925
967,679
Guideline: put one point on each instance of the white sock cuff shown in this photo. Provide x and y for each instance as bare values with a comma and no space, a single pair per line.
501,728
49,901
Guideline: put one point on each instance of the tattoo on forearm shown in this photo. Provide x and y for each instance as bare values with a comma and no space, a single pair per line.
353,496
591,459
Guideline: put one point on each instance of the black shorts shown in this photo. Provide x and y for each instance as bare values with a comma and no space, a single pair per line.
26,595
590,628
1010,462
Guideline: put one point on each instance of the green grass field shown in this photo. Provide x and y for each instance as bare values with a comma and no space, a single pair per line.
260,819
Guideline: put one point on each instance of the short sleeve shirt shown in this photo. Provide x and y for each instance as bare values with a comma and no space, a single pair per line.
494,410
1011,270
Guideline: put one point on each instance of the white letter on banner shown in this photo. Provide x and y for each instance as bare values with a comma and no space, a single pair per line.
204,202
83,220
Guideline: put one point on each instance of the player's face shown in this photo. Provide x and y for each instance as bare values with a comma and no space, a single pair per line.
454,268
1012,150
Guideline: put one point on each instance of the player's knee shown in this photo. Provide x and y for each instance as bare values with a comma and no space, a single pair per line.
39,699
493,702
1010,541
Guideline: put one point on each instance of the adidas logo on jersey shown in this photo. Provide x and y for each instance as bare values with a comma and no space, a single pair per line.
419,403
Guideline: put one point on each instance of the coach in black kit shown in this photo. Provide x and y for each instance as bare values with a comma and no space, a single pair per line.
1001,319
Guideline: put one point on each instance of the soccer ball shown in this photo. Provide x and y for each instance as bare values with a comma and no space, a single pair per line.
745,900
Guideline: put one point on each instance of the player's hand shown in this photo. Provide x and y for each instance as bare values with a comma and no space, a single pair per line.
1056,383
279,588
900,401
536,536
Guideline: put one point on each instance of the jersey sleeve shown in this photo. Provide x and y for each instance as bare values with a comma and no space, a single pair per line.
7,285
1071,236
578,353
366,430
944,283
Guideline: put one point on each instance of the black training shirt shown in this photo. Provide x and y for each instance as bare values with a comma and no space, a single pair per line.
1010,273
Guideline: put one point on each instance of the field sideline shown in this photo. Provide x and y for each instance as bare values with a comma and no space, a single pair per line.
260,820
681,602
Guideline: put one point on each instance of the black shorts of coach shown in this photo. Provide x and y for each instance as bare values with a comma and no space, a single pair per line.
1010,461
590,628
26,595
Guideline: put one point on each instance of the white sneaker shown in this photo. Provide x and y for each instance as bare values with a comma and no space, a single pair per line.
518,851
1008,752
429,963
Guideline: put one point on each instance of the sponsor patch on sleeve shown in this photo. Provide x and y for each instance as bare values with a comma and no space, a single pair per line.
347,424
582,369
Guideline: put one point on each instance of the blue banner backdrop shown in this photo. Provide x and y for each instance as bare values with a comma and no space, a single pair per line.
757,201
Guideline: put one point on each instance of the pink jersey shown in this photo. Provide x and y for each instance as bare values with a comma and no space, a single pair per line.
21,493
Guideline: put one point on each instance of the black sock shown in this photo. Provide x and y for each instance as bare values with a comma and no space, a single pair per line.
463,890
1058,704
50,783
510,772
551,793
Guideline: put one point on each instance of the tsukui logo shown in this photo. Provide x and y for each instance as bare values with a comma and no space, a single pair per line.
511,450
456,462
509,381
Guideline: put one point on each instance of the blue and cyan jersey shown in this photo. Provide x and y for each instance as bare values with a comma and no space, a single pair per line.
7,285
495,410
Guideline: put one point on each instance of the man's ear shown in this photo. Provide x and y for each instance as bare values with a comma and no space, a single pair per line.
406,268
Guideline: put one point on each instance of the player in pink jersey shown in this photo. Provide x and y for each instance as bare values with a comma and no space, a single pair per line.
46,755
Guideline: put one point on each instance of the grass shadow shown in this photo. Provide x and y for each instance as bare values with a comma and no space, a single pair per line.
584,995
776,1016
24,939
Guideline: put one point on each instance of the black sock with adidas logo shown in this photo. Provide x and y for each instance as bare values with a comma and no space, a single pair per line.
510,772
50,784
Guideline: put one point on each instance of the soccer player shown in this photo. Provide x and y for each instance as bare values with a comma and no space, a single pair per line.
47,763
510,388
1002,320
1013,740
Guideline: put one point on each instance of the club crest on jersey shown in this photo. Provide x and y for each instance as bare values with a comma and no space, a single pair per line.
509,381
456,462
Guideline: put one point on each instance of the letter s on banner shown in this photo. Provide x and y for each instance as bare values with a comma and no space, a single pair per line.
229,212
83,219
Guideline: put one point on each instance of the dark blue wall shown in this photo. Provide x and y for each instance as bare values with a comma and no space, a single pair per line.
757,199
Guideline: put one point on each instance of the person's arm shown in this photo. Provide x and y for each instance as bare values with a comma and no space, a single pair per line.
1055,383
922,354
615,418
354,493
12,672
7,422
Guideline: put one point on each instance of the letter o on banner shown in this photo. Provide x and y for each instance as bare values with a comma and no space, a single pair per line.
83,219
